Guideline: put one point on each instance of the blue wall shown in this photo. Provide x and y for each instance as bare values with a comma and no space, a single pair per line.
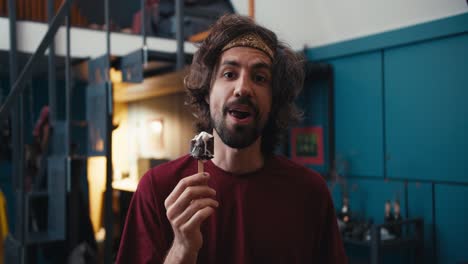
401,120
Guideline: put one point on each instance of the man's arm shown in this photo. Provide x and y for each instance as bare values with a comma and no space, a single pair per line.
143,239
189,204
331,245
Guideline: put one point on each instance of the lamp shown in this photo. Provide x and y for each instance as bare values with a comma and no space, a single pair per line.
156,126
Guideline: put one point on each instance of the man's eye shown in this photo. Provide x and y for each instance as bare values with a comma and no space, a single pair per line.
228,75
260,78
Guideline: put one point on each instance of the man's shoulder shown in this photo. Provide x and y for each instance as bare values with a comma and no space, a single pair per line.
298,173
285,164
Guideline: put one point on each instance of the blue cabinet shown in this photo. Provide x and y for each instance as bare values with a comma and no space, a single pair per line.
451,217
358,114
426,112
420,197
367,197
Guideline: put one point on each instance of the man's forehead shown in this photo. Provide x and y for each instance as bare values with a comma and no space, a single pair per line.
245,55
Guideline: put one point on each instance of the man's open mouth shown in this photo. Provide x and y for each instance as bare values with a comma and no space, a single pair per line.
239,114
242,110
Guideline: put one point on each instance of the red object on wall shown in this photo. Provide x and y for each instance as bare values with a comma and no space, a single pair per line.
307,145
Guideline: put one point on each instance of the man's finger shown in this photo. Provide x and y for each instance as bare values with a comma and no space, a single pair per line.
196,179
189,194
196,220
194,207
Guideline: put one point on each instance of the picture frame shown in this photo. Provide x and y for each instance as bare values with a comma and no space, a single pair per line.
307,145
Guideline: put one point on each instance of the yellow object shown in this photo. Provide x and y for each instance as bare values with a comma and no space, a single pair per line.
3,225
97,186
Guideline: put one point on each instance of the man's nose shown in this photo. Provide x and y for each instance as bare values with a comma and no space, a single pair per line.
244,86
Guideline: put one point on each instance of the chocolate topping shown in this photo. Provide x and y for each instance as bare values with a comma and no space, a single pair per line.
202,146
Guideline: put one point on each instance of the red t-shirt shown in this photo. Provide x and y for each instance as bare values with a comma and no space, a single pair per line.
282,213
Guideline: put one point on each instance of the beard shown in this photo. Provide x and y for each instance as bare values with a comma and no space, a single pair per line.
239,136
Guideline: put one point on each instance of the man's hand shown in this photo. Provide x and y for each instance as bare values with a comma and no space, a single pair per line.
189,204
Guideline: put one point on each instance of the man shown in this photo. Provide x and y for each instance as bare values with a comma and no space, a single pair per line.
250,206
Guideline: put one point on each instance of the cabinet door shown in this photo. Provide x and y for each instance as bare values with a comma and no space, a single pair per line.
426,112
420,197
367,198
451,212
358,114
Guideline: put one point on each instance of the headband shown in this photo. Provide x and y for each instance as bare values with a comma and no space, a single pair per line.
250,40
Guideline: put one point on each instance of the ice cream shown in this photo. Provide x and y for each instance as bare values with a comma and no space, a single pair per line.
202,148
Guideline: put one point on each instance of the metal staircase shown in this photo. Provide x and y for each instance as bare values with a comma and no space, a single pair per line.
61,188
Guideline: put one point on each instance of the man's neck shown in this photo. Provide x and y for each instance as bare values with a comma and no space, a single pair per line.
237,161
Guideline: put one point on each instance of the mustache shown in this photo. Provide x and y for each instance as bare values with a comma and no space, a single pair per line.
244,100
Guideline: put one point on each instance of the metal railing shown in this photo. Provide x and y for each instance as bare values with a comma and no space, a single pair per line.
13,105
18,86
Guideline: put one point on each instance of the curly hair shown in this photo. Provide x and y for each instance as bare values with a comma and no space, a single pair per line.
287,77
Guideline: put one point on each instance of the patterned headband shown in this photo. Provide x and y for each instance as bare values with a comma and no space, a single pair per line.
252,41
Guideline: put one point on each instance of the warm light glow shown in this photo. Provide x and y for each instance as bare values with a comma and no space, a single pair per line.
97,184
156,126
115,75
99,146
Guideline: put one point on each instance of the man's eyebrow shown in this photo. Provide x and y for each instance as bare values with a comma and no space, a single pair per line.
258,65
231,63
261,65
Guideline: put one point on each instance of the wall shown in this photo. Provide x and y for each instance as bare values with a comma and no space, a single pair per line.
401,126
176,135
30,34
332,21
120,140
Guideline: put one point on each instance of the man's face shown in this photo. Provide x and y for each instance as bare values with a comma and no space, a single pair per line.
240,96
